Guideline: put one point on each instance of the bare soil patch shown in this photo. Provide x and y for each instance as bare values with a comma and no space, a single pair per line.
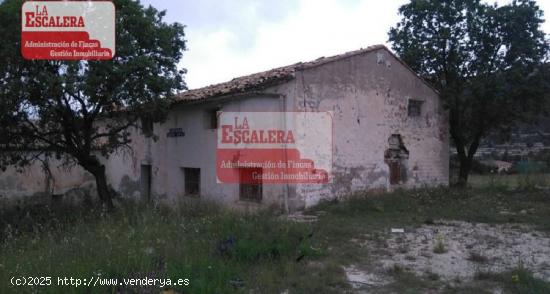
469,249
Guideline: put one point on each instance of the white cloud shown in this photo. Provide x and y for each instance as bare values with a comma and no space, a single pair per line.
252,37
314,29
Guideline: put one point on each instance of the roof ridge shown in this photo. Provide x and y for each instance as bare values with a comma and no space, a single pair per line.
266,78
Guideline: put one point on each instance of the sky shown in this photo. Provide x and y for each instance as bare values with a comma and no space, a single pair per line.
231,38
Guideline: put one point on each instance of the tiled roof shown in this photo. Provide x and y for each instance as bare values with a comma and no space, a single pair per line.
264,79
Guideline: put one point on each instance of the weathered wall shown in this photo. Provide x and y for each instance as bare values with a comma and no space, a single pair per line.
197,149
35,180
368,95
167,157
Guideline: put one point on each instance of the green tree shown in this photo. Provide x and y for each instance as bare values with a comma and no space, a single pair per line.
485,60
79,111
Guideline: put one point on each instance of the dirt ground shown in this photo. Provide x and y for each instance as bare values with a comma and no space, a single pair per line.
453,252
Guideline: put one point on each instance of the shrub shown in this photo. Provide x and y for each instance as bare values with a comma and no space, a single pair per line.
439,246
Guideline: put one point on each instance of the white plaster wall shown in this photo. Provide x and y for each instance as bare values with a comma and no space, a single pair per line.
197,149
122,171
368,95
32,181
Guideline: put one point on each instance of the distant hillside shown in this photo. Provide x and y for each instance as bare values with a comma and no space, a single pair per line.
524,141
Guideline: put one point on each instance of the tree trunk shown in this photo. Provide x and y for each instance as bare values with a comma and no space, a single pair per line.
102,188
464,171
466,159
98,171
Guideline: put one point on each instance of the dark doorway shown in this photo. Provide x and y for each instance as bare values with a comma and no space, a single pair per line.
396,157
395,172
145,182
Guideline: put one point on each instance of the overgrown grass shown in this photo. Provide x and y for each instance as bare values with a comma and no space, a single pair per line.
220,251
522,181
424,206
217,250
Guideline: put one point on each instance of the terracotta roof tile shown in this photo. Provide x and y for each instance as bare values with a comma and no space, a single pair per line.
264,79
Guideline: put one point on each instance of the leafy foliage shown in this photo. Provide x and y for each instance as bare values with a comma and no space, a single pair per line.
77,109
486,61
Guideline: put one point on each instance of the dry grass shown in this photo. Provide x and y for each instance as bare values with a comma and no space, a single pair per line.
261,252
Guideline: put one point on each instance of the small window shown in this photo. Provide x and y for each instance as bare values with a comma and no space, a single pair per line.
192,181
415,107
211,119
250,188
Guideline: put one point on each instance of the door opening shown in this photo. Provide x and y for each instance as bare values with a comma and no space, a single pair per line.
145,182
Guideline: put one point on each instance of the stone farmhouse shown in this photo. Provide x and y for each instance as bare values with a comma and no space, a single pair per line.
389,131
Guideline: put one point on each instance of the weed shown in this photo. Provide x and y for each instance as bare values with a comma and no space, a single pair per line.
439,246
